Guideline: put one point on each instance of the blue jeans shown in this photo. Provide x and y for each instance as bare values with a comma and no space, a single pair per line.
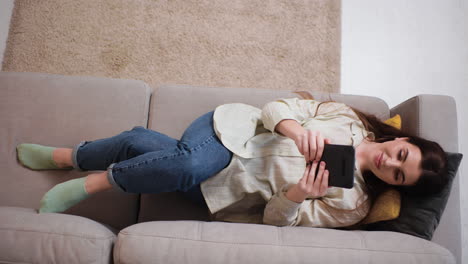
145,161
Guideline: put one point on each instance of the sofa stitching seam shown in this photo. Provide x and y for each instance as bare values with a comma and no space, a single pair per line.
199,231
363,240
279,234
120,250
52,233
259,244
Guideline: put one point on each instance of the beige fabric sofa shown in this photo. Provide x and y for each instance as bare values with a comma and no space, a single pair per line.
166,228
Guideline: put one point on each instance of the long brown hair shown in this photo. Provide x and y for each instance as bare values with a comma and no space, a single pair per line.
434,159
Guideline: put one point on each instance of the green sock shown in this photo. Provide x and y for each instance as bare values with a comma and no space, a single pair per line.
64,196
37,157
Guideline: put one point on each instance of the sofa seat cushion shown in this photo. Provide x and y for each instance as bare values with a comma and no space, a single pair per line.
220,242
29,237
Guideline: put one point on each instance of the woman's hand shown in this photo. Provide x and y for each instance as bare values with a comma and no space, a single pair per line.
310,143
313,183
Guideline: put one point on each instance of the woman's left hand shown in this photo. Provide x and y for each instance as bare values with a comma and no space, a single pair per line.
310,144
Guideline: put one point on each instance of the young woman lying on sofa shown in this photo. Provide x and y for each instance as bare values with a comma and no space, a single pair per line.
238,160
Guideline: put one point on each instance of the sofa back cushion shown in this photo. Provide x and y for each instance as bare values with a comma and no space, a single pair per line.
61,111
174,107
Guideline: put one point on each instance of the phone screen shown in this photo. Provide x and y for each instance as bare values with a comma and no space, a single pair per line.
339,161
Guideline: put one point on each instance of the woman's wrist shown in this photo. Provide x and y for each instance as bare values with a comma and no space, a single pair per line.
293,195
289,128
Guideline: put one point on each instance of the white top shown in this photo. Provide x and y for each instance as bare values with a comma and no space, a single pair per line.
264,165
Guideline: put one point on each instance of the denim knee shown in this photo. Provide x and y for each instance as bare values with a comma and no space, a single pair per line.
133,135
138,128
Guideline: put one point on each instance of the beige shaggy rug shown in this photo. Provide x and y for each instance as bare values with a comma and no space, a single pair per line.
275,44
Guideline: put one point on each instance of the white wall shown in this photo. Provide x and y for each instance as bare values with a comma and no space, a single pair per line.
400,48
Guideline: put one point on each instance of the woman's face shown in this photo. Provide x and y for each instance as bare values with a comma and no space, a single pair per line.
395,162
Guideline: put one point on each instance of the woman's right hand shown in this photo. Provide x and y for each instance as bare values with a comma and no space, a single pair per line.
314,183
310,143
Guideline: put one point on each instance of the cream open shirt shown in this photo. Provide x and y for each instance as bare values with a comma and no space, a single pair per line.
264,165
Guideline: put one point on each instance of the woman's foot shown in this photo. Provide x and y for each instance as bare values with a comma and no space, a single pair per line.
67,194
38,157
63,196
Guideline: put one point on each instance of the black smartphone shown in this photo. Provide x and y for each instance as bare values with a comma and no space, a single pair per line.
339,161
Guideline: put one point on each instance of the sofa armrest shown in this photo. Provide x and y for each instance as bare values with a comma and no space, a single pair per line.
434,117
430,116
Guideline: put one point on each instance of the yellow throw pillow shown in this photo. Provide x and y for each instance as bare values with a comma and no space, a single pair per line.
394,121
387,205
